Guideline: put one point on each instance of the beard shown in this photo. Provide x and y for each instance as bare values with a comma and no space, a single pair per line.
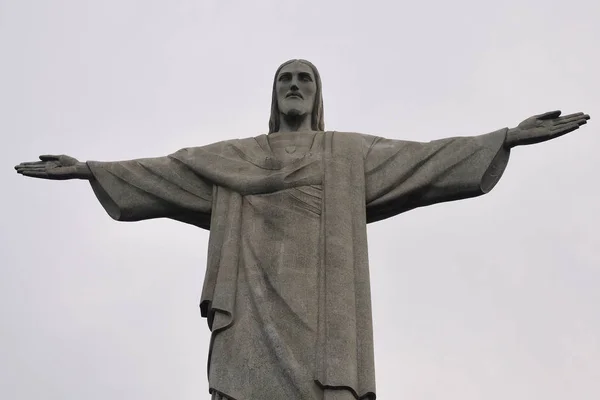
294,113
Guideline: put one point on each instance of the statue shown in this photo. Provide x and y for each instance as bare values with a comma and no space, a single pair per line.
286,292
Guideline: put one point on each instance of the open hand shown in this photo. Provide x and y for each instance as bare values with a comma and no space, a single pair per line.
54,167
547,126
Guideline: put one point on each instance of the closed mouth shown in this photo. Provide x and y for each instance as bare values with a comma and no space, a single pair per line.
298,95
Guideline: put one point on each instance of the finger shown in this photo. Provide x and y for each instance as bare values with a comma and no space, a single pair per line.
571,115
564,129
575,118
22,171
32,163
581,121
40,165
31,168
577,122
49,157
549,115
35,174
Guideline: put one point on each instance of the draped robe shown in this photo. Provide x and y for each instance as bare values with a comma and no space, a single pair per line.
286,292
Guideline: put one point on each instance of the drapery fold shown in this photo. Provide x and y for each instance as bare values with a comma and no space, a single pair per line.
364,179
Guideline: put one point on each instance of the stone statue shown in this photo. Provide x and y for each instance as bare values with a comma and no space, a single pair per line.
286,292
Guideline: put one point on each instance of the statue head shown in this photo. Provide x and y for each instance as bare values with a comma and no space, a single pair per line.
297,92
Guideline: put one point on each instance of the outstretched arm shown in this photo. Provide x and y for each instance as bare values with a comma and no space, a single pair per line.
401,175
135,190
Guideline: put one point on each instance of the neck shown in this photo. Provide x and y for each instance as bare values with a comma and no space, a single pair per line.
295,123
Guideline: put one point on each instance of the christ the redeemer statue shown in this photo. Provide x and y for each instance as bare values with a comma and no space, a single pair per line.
286,292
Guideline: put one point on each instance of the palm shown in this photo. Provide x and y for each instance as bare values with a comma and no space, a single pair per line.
50,167
547,126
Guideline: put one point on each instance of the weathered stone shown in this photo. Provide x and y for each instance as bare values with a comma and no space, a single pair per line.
286,291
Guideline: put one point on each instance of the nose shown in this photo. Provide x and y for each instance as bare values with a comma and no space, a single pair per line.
294,84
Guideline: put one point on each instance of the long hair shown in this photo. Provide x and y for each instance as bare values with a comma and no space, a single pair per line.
317,122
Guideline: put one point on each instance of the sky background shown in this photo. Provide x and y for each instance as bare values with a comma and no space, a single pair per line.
489,298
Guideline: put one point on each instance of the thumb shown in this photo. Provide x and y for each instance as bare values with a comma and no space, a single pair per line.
549,115
67,160
49,157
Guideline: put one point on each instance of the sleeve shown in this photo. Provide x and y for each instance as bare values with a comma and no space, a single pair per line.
162,187
402,175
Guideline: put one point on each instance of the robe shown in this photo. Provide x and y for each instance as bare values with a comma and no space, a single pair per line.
286,292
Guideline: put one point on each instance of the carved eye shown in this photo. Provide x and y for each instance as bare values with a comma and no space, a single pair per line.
305,78
285,77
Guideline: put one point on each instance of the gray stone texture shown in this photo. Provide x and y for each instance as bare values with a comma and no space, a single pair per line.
286,292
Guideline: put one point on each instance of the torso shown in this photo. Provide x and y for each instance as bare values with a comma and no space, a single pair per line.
268,353
277,297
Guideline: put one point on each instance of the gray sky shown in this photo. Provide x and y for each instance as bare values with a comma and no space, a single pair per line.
495,297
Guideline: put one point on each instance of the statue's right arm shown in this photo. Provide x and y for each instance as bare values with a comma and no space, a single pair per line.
135,190
56,167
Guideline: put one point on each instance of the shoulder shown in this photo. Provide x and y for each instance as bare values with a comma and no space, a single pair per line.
224,147
355,136
356,140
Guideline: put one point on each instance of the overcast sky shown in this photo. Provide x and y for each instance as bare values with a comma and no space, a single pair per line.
490,298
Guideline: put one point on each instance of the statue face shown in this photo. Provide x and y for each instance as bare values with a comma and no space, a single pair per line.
296,88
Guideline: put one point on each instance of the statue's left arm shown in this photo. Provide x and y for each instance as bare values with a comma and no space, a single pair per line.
402,175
